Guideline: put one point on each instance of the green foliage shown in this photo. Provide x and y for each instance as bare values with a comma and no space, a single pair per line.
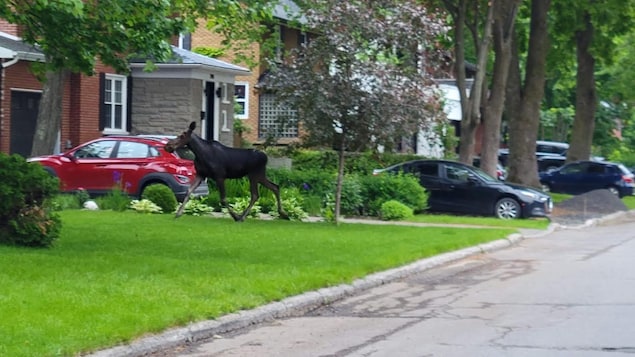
115,200
162,196
395,211
293,207
197,207
239,204
208,51
26,215
65,201
402,188
145,206
351,200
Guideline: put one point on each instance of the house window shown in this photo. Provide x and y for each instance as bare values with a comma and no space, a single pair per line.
223,119
242,100
275,120
115,104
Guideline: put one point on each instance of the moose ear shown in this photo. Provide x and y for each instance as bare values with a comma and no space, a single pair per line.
192,126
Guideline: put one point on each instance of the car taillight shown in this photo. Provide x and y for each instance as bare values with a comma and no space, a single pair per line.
628,179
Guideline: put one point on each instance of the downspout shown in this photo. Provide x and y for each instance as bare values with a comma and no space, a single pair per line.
9,63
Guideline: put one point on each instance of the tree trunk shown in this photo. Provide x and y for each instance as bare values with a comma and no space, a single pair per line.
340,180
503,31
49,116
471,106
585,96
523,102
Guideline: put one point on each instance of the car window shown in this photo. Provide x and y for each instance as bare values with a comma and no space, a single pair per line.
426,169
132,150
97,150
456,173
573,169
596,169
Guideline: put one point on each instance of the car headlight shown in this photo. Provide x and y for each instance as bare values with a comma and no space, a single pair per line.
528,194
182,179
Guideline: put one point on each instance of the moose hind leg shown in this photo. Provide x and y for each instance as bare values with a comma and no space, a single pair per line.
220,184
276,191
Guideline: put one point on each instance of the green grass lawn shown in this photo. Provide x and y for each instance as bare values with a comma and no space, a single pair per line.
534,223
112,277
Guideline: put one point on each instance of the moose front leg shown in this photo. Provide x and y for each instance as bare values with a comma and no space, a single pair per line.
197,181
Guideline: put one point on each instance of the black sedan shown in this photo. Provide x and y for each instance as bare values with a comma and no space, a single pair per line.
459,188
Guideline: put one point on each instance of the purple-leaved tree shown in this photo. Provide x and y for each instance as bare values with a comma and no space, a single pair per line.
365,79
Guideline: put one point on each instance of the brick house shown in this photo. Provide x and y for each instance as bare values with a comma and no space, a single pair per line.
258,110
189,87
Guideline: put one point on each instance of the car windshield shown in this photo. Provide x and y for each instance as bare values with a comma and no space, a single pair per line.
484,176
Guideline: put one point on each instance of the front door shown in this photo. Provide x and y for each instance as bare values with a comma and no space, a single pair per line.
210,94
24,108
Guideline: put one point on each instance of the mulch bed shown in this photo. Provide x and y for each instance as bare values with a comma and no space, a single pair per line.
580,208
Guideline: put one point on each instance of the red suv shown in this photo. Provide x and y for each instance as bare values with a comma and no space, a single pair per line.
131,163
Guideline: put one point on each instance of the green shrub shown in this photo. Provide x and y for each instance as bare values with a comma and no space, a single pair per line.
197,207
239,204
351,200
395,211
115,200
65,201
26,215
403,188
162,196
145,206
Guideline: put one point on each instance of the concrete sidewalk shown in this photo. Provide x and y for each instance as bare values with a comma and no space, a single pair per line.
300,304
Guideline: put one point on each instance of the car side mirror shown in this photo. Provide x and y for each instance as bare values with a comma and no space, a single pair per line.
472,180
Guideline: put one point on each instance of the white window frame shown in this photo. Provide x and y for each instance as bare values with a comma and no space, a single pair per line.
109,127
245,100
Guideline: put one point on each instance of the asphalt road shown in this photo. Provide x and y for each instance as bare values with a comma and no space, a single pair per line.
568,293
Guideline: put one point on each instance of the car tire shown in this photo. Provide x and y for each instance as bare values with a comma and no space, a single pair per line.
545,187
614,190
507,208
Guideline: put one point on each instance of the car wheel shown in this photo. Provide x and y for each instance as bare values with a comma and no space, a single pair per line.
507,208
614,190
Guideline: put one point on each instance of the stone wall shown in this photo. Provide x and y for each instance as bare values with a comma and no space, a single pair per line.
165,106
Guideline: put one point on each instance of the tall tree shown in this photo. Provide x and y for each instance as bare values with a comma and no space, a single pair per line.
470,18
73,34
366,79
503,33
524,98
592,27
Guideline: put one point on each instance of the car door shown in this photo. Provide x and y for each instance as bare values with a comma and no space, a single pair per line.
427,172
90,167
130,164
463,192
597,176
570,178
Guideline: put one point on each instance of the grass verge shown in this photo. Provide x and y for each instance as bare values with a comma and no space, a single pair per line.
115,276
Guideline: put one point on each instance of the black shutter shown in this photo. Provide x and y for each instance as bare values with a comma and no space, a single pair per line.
129,105
102,100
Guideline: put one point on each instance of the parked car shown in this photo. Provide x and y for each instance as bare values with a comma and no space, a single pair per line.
501,173
131,163
583,176
550,162
459,188
543,148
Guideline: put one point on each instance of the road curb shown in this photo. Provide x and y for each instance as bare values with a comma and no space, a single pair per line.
301,304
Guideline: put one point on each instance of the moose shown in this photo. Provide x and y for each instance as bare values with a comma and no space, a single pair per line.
219,162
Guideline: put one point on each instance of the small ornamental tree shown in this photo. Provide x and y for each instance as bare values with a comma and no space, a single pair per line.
366,78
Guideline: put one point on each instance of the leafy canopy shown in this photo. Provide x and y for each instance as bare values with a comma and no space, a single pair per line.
367,73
